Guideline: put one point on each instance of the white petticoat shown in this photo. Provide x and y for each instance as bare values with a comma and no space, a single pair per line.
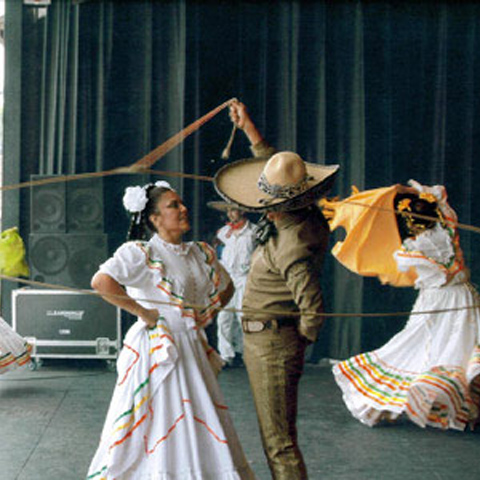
430,370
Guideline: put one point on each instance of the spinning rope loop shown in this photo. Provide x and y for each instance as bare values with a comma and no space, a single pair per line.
143,166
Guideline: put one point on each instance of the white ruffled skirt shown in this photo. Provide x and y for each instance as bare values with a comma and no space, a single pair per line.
167,419
429,371
14,350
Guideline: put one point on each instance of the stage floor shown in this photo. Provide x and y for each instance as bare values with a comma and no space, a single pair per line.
50,423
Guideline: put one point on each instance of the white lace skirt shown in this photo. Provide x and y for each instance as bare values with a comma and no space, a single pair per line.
429,371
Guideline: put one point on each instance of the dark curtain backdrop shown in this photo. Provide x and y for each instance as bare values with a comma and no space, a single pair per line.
389,91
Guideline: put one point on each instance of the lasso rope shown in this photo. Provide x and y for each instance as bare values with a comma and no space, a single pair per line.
269,312
204,178
462,226
148,160
140,166
144,164
106,173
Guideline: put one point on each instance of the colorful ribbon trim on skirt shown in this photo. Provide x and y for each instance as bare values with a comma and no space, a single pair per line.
440,397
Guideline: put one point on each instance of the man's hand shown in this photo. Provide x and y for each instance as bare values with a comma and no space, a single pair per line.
239,114
241,119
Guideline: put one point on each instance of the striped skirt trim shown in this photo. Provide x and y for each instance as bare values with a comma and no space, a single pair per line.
9,360
443,397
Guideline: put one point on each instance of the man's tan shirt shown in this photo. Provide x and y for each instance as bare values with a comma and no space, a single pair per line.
285,272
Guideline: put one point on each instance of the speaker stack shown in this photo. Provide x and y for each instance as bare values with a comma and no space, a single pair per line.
67,241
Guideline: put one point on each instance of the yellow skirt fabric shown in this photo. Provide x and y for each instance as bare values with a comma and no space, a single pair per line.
372,235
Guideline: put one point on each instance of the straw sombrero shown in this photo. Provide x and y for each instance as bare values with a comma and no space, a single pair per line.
282,183
222,206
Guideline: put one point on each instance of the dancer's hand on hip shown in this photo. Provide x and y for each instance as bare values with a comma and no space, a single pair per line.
150,317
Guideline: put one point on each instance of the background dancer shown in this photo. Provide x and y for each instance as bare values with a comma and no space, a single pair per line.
430,371
238,238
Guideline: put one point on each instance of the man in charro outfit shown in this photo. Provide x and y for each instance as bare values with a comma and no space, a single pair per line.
284,277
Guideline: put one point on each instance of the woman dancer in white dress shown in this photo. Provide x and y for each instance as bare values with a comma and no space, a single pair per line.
167,419
429,371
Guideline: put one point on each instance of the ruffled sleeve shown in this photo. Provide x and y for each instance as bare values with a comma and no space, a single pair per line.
435,254
429,273
128,266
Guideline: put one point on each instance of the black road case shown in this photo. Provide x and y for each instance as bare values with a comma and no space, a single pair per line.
63,324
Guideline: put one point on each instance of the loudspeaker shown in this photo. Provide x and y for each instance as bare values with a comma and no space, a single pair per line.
65,324
67,207
85,205
66,259
47,202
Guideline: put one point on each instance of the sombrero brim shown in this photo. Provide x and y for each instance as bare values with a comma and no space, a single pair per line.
222,206
236,182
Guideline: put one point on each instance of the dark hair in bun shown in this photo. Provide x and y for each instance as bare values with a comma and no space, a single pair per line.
141,228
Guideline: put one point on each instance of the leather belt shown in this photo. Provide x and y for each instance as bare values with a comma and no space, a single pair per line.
256,326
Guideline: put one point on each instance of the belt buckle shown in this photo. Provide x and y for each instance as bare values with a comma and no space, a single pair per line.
253,326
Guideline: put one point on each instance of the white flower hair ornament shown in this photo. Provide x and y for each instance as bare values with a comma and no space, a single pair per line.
135,199
164,184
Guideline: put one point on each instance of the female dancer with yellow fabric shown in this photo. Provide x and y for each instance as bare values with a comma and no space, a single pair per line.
429,371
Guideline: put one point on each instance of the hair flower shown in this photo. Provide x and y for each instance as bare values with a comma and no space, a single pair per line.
429,197
164,184
135,199
405,205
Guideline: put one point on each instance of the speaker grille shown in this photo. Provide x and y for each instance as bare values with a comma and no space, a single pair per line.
84,263
85,206
49,254
47,206
66,259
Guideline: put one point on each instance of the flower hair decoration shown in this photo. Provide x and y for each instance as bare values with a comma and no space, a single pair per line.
135,199
429,197
416,220
163,184
404,205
